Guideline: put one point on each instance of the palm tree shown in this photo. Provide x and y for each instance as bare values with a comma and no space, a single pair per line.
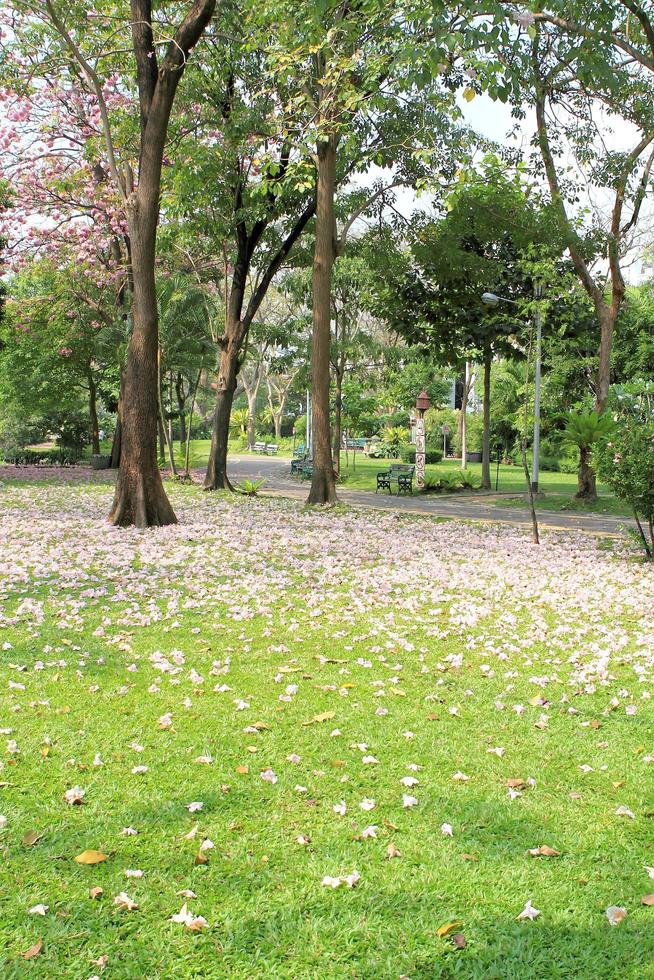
584,430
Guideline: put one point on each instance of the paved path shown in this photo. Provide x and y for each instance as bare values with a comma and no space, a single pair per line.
479,508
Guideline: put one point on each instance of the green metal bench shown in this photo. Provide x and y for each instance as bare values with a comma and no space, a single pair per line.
399,473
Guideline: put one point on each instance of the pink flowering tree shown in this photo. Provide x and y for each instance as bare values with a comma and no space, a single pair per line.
95,179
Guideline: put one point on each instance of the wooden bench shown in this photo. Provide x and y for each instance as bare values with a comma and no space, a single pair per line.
400,473
272,449
259,447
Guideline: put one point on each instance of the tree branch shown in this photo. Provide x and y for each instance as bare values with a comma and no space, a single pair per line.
94,82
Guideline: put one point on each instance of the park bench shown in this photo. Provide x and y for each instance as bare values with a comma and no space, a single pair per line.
356,444
259,447
272,449
297,463
400,473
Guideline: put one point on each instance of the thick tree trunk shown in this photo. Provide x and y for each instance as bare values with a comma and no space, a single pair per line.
586,482
323,488
140,497
485,452
93,415
216,475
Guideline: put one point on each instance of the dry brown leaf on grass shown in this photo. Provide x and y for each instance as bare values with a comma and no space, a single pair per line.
90,857
445,929
543,851
393,851
96,892
33,951
615,914
324,716
647,900
31,838
459,940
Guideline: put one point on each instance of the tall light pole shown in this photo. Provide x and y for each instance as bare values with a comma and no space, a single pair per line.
491,299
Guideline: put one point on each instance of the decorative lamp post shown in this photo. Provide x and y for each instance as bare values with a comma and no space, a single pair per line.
422,404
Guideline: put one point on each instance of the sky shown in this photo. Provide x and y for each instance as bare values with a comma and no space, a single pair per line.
493,120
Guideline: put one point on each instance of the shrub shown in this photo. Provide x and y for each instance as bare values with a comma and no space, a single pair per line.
550,463
432,456
35,457
474,432
468,481
445,483
625,462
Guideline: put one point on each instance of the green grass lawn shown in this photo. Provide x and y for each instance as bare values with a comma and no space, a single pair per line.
606,503
273,664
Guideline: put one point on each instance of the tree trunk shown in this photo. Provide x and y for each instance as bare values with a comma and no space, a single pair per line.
323,488
118,431
485,457
252,419
167,430
586,482
338,416
93,415
161,433
140,497
216,475
607,320
181,405
187,454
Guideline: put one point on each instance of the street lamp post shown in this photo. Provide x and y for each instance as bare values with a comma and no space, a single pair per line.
422,405
491,299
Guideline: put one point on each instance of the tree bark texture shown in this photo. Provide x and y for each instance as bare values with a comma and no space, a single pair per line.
586,481
323,487
216,475
140,497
